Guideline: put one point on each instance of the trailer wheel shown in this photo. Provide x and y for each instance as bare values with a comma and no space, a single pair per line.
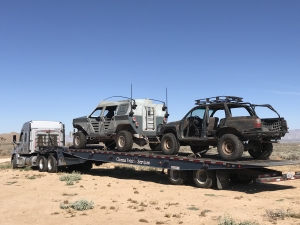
155,147
124,141
169,144
230,147
177,177
199,149
240,179
42,163
110,144
14,162
204,178
79,140
52,164
261,150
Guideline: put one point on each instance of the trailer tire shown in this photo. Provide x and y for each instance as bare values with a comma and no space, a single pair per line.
204,178
52,164
230,147
14,164
110,144
42,163
155,147
79,140
169,144
177,177
262,151
124,141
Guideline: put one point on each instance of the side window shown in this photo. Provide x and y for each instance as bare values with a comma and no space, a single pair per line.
239,112
110,111
198,112
219,113
96,113
25,138
122,110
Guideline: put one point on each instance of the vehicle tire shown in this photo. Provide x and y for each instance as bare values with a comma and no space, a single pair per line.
240,179
199,149
261,151
204,178
110,144
42,163
14,164
52,164
230,147
177,177
79,140
169,144
124,141
155,147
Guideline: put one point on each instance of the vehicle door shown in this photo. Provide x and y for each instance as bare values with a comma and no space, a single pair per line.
95,123
108,120
26,141
191,125
149,122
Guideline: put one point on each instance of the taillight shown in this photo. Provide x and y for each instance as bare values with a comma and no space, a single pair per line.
165,119
133,119
257,123
135,122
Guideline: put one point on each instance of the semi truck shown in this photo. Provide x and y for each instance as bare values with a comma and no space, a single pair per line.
41,145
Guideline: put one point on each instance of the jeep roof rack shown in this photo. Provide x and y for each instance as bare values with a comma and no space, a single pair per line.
218,99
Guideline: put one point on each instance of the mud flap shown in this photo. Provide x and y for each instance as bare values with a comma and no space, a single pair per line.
222,179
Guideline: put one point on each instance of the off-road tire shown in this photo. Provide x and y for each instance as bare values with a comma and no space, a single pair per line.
155,147
230,147
79,140
14,162
177,177
42,163
52,164
199,149
204,178
261,152
169,144
110,144
124,141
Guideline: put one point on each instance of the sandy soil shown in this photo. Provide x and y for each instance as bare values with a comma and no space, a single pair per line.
136,197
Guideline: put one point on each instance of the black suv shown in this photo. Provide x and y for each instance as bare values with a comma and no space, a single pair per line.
225,122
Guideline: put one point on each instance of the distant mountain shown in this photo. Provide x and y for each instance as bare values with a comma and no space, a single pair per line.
9,137
292,136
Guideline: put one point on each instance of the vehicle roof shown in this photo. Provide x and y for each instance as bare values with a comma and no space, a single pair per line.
114,103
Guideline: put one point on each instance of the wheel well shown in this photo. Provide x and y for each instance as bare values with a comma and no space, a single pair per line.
228,130
124,127
79,128
169,131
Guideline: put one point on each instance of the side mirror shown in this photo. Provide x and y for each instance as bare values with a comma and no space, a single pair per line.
14,138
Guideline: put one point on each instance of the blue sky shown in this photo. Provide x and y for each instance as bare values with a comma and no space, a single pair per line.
59,59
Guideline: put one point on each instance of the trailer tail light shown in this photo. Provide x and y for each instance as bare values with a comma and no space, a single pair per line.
257,123
165,119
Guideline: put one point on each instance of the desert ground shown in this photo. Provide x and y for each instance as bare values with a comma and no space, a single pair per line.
139,195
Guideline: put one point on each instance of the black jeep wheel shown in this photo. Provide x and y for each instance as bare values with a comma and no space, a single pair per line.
199,149
155,147
204,178
124,141
52,164
110,144
260,150
230,147
177,177
79,140
169,144
42,163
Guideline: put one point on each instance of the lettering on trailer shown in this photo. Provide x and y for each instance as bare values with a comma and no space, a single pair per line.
133,161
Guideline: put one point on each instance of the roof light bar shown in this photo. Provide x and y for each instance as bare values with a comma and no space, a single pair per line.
218,99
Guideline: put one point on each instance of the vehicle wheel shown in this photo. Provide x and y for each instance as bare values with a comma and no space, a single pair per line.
14,162
124,141
42,163
169,144
199,149
177,177
79,140
261,150
240,179
110,144
204,178
52,164
155,147
230,147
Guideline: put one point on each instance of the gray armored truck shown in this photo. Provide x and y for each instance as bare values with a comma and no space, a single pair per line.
228,123
121,123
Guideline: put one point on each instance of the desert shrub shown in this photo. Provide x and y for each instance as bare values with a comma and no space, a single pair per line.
75,176
276,214
227,220
5,166
79,205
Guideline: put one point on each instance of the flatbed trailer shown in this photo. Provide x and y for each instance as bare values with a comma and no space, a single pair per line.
206,172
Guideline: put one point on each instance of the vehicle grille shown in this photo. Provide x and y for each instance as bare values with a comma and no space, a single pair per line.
273,126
